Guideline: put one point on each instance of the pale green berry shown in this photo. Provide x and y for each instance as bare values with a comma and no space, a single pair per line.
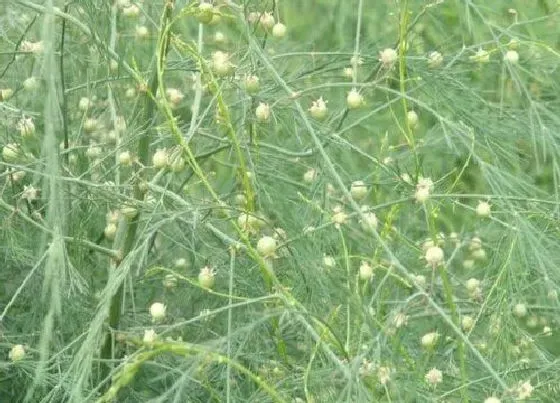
150,336
266,246
429,340
157,311
252,84
467,323
160,158
318,109
262,112
511,57
354,99
11,152
110,231
434,256
483,209
125,158
435,59
358,190
17,353
412,119
365,271
279,30
520,310
205,13
388,57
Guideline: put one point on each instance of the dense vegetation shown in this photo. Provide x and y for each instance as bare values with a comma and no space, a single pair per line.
300,201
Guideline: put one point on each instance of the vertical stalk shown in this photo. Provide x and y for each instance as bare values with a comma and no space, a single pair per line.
402,47
143,158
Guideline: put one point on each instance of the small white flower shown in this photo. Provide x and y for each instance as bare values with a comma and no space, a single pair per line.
478,254
17,353
31,83
400,320
125,158
434,376
412,119
365,271
262,112
266,246
467,323
310,175
129,212
520,310
248,222
252,84
356,60
328,261
174,95
32,47
369,222
483,209
220,38
511,57
524,390
267,20
384,375
426,183
91,124
406,178
279,30
157,311
205,13
339,217
5,94
29,193
388,57
435,59
181,263
26,127
423,189
358,190
348,72
142,31
472,284
319,109
429,340
475,243
84,104
160,158
492,399
206,277
354,100
481,56
150,336
221,64
110,231
434,256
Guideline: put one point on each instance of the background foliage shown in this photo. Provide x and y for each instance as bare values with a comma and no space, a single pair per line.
91,90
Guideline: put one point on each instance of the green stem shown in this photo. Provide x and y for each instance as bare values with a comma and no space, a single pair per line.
143,158
403,32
